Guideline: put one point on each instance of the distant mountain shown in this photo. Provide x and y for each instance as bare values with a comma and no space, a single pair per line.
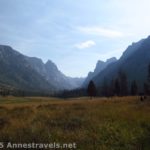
30,73
100,66
134,62
17,73
51,73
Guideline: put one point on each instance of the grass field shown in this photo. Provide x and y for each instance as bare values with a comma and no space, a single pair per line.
97,124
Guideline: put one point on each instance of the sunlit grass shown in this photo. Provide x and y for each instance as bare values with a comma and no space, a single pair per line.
97,124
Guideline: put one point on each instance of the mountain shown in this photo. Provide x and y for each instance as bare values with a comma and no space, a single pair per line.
30,73
101,65
133,62
17,73
53,75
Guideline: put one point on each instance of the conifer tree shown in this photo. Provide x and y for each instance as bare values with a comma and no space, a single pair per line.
91,90
123,83
134,88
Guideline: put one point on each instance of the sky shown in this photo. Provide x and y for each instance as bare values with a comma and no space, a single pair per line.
74,34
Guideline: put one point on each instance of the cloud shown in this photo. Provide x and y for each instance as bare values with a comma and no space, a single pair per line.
99,31
86,44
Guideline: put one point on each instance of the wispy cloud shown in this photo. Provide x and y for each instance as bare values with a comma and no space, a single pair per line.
86,44
99,31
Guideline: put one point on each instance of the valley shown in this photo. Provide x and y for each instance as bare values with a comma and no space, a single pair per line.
120,123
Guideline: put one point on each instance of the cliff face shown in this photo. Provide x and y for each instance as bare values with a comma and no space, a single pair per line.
100,66
134,62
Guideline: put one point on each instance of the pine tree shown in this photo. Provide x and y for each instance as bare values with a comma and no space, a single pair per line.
146,89
123,83
148,80
112,88
91,90
134,88
117,87
104,89
147,84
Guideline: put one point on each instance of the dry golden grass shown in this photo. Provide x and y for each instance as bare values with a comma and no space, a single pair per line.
97,124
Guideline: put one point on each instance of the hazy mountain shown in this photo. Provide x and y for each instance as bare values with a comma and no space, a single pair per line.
16,71
30,73
101,65
134,62
53,75
23,72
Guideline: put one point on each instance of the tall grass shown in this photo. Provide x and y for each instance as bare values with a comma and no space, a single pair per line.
98,124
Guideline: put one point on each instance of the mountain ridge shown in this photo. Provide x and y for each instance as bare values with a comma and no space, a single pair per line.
134,62
100,66
24,72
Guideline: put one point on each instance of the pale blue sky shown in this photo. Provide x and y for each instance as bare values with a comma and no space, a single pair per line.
74,34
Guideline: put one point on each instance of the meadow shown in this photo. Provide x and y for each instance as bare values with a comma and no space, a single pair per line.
119,123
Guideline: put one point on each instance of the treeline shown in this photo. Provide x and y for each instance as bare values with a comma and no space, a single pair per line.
72,93
118,86
22,93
